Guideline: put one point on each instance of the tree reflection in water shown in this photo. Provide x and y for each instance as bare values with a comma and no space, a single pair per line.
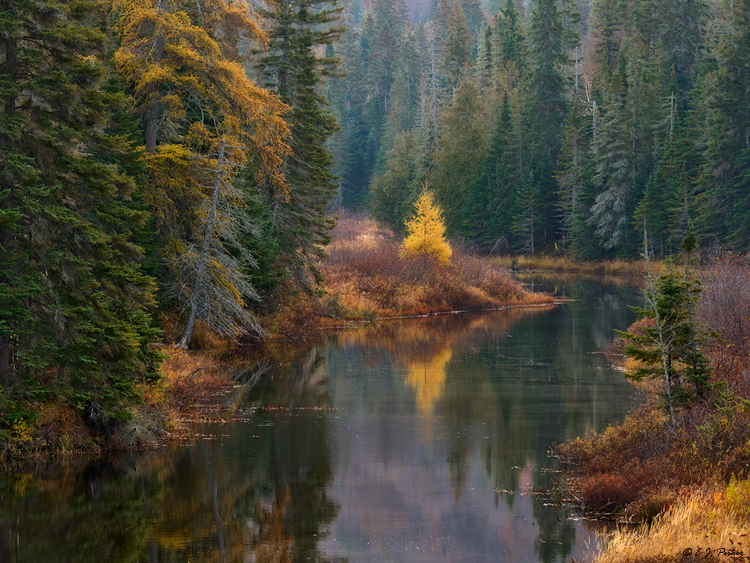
415,440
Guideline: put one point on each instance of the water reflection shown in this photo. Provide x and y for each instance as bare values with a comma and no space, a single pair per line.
418,440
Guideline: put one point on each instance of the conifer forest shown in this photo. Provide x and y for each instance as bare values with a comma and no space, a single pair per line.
189,157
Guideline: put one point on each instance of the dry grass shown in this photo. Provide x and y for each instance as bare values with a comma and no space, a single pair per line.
193,386
701,520
366,277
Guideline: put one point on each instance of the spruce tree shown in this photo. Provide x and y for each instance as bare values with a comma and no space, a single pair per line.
725,183
463,141
74,303
574,179
490,204
293,71
393,192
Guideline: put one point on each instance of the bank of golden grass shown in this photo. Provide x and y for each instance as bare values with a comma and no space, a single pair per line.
703,520
367,277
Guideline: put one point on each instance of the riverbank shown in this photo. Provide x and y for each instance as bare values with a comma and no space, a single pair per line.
630,272
688,481
366,280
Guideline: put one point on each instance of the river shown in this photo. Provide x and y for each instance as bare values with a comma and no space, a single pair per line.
416,440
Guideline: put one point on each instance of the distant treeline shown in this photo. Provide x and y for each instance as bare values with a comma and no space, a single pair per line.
552,124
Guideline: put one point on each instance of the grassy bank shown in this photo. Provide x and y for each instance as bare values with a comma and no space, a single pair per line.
192,389
690,480
366,277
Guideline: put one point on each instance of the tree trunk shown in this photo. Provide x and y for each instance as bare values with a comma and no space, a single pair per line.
184,342
5,362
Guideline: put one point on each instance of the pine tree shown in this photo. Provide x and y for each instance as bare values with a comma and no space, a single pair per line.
183,61
489,207
547,104
668,350
457,48
349,143
213,285
574,179
73,300
426,230
292,70
393,192
607,26
725,184
462,126
547,101
528,222
511,44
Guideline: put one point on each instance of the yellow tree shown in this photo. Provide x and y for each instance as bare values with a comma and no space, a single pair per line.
203,119
426,230
184,66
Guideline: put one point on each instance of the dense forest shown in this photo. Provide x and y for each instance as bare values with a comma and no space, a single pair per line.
184,158
553,124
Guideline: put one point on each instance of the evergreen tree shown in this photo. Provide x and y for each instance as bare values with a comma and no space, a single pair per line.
462,141
607,27
574,179
547,105
725,183
668,350
292,70
393,192
528,219
489,208
73,300
549,88
511,44
457,48
349,93
183,62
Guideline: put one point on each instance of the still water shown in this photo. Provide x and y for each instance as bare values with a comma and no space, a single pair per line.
417,440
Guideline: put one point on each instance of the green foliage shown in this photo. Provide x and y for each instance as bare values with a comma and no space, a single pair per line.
292,70
668,348
394,191
74,303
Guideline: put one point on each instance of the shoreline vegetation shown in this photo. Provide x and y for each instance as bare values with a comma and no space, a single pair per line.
686,482
367,279
616,271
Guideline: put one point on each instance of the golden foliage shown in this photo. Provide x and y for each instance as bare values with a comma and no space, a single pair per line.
427,378
426,230
200,74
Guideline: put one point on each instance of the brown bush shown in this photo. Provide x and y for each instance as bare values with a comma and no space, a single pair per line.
605,491
725,308
366,274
